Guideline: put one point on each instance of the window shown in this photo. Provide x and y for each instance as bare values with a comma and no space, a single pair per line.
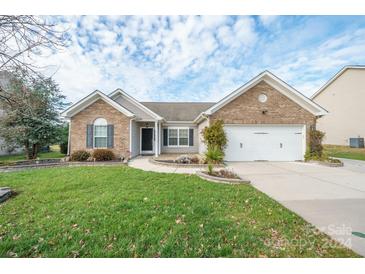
173,137
178,137
100,133
183,137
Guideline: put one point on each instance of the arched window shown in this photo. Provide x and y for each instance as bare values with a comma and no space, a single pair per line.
100,133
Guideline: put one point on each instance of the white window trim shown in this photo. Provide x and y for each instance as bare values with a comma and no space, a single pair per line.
94,136
178,137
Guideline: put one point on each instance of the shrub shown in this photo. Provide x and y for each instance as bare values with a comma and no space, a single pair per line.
63,148
80,156
214,155
225,173
63,138
183,159
315,150
103,155
214,135
210,169
315,143
195,159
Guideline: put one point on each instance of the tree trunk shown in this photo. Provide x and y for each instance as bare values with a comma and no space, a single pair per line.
27,151
34,151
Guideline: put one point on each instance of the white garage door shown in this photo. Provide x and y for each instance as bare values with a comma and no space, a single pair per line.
264,142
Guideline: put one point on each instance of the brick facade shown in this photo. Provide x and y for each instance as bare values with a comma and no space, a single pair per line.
87,116
246,109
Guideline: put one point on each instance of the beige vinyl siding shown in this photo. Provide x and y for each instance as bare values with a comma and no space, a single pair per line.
189,149
126,103
135,139
201,126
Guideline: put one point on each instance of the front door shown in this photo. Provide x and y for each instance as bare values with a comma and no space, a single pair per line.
147,140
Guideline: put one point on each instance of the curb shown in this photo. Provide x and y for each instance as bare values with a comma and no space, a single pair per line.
222,180
326,163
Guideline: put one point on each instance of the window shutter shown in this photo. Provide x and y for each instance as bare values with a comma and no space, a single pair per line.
110,136
191,137
89,136
165,136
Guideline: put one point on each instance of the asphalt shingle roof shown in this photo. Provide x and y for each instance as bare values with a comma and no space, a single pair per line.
178,111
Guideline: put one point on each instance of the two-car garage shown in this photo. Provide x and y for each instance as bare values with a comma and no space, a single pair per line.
265,142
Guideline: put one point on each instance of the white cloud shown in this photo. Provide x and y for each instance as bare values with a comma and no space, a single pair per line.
193,57
267,20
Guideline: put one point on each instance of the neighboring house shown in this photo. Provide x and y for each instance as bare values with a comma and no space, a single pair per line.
266,119
343,96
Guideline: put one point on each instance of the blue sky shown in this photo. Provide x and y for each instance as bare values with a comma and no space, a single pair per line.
201,58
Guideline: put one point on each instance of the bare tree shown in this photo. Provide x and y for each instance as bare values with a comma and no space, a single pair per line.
21,38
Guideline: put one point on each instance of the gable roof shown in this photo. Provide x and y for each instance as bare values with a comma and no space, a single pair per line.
136,103
275,82
338,74
90,99
178,111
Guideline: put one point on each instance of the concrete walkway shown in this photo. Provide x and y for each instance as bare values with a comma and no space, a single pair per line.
142,162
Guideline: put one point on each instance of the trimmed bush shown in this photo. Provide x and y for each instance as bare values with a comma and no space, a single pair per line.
103,155
80,156
214,155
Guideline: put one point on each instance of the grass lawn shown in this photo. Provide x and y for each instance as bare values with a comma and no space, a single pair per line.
125,212
345,152
54,153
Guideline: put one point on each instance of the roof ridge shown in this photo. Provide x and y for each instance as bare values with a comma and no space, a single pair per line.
177,102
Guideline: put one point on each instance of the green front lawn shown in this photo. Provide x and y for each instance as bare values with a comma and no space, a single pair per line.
124,212
345,152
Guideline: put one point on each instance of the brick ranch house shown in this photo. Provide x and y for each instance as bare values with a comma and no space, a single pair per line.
265,119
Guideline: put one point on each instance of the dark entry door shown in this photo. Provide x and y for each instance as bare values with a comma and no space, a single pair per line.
147,139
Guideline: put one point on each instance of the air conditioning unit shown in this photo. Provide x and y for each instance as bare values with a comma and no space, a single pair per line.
357,142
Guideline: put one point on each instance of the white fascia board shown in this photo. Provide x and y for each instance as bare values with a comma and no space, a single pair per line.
200,117
330,81
278,84
90,99
134,101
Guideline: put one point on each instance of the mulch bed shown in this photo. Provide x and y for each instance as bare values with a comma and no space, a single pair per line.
172,163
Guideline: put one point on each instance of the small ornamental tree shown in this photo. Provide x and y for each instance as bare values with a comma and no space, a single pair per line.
214,136
315,144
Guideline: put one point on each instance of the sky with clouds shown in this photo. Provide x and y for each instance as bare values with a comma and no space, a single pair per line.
201,58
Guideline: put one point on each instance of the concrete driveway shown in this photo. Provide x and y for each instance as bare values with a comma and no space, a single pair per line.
331,198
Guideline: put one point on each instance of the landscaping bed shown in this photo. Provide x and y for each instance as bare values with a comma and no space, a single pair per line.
173,163
217,178
118,211
329,163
